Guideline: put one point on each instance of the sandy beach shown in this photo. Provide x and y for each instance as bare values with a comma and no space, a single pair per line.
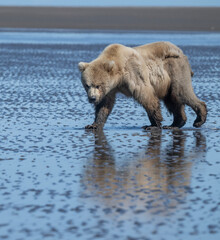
127,18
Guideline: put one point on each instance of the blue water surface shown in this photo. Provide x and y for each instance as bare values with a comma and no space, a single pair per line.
108,37
59,181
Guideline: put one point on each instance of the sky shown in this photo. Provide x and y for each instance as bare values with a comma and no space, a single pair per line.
73,3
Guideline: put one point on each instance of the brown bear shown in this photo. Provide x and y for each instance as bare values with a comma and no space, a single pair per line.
148,73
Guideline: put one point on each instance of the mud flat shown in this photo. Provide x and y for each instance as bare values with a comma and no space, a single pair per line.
58,181
139,18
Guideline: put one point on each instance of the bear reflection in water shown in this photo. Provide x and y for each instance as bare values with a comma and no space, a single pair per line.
155,180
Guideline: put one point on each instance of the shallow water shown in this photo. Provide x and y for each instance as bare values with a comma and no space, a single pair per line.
59,181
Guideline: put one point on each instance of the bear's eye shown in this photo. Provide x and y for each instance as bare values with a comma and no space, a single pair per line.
87,86
97,87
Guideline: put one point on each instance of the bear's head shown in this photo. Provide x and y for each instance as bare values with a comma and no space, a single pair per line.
98,78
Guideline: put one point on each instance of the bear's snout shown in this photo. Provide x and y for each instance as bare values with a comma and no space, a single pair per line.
93,95
92,99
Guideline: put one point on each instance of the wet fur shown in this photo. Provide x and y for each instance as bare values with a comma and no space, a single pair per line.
148,73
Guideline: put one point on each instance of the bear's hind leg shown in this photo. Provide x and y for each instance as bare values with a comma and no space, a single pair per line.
198,106
181,90
201,115
178,110
200,109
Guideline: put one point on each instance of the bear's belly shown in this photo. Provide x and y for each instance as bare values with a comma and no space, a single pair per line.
161,83
125,91
158,77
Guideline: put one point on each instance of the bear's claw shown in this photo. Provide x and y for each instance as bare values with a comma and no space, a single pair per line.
170,127
150,127
92,126
197,124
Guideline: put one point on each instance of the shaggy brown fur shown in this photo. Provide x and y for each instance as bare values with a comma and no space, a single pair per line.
148,73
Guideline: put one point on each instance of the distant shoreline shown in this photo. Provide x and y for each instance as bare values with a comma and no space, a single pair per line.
112,18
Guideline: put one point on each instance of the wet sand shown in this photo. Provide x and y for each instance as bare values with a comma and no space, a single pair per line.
59,181
139,18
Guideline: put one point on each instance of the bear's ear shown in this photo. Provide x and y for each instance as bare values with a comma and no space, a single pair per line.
82,66
109,66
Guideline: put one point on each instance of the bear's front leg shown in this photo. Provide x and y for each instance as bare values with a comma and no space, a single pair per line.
154,114
102,111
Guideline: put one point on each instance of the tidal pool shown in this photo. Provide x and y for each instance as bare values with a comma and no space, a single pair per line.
59,181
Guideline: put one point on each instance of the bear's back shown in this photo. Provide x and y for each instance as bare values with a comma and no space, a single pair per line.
159,50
